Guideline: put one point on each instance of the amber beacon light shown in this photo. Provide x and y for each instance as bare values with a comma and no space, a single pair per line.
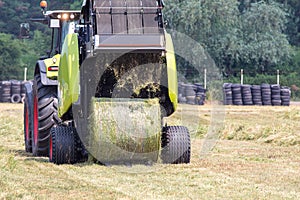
43,4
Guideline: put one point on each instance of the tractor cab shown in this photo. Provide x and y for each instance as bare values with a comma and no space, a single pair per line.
62,23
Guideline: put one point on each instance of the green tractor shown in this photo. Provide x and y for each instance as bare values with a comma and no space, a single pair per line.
106,87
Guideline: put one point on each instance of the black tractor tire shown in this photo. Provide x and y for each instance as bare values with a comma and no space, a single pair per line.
176,145
44,115
62,145
28,117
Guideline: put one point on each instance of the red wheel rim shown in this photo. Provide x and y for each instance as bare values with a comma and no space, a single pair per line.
50,148
35,121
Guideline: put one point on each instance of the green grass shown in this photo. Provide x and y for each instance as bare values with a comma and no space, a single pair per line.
253,159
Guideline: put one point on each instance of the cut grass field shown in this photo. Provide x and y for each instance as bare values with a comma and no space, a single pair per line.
256,155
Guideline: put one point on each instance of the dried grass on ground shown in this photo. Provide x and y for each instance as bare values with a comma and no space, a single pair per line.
255,158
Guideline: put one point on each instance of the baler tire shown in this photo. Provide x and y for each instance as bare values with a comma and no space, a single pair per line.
44,116
62,145
176,145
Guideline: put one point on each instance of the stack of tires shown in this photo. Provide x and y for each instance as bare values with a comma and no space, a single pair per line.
227,94
181,96
5,91
237,94
256,95
247,95
12,91
200,94
266,94
15,91
276,97
191,93
285,93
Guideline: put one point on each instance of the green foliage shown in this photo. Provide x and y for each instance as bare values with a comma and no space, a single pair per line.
64,4
250,34
32,49
9,57
263,42
253,38
293,26
296,58
12,14
76,5
253,35
16,54
213,24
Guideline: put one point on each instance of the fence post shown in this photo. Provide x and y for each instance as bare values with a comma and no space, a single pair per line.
205,76
278,77
242,76
25,73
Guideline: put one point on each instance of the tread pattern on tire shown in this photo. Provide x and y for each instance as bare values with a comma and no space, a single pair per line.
47,115
64,148
176,145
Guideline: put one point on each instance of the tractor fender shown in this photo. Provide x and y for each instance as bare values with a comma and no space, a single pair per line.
28,86
172,71
41,68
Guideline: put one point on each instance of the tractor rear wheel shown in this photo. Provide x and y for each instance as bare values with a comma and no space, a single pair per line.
44,115
62,145
176,145
27,121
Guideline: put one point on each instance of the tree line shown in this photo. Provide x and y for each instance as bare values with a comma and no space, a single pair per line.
258,36
17,53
